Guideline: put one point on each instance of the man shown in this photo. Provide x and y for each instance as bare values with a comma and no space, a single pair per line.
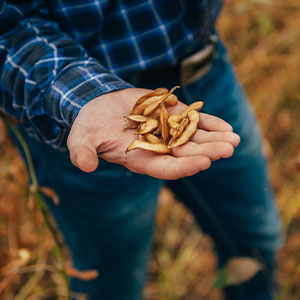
71,69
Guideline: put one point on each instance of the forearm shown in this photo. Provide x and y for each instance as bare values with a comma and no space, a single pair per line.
45,76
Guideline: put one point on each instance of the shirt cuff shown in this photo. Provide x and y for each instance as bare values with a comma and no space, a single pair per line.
76,85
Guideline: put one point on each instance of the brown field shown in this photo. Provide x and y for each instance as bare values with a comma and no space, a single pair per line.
264,40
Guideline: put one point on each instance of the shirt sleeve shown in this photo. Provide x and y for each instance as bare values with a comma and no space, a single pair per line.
45,76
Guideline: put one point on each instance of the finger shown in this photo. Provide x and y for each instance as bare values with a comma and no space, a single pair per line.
84,158
213,150
212,123
202,136
168,167
82,152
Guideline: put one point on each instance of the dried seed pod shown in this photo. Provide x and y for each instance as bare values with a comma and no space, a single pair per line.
131,126
141,137
174,120
152,104
177,133
158,130
152,107
173,132
151,138
154,124
148,126
191,128
157,92
155,114
156,148
184,122
171,100
164,116
139,109
137,118
194,106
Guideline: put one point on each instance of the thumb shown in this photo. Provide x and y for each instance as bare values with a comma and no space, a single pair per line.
83,157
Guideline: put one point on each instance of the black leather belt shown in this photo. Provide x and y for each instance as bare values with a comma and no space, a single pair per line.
194,64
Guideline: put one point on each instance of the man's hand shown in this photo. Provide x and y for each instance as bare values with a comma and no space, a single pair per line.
98,130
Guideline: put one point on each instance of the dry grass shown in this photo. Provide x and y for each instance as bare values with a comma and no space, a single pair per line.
264,39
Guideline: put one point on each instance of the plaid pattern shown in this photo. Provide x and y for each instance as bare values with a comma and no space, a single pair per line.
57,55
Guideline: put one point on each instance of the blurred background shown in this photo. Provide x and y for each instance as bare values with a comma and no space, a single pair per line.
263,37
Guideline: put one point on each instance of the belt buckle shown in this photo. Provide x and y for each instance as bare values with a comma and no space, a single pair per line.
198,64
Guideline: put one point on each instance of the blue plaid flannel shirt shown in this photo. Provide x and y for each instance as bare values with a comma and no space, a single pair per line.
56,55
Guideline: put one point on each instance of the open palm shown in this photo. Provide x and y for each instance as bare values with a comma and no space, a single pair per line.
98,130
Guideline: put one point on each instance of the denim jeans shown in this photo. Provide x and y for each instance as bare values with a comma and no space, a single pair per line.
107,217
